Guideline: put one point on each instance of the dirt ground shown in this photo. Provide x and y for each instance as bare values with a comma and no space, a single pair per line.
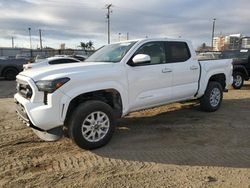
172,146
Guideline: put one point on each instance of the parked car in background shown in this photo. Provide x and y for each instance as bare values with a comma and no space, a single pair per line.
208,55
9,68
22,56
40,58
241,65
50,61
3,57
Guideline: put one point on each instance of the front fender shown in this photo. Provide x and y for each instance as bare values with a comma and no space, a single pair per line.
73,93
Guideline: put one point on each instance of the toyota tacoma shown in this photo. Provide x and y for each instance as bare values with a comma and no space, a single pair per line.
85,99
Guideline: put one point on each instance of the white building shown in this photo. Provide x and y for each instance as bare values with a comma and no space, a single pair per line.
233,41
245,42
218,43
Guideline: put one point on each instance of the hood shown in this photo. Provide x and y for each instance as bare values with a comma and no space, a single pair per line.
65,70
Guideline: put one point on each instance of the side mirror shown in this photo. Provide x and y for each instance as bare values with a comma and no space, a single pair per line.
141,58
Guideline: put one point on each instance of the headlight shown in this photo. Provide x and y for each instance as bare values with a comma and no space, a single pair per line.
50,86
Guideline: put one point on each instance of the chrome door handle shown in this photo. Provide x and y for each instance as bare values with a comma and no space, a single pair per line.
193,68
166,70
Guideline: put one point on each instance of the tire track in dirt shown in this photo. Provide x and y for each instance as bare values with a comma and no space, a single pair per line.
15,137
110,157
64,163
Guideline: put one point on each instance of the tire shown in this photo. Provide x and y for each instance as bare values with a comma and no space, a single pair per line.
238,80
212,98
10,74
86,131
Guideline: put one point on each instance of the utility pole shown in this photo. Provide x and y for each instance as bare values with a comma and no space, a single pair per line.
30,42
119,37
108,6
127,35
12,39
40,35
212,44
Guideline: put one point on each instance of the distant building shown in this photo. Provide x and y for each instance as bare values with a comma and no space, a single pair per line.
204,48
245,42
62,46
233,41
230,42
219,43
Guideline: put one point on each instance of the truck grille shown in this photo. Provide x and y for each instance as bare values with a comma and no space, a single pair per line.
24,89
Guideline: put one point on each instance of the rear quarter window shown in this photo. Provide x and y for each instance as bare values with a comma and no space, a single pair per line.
177,52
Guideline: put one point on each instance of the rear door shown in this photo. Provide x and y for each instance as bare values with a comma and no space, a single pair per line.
186,70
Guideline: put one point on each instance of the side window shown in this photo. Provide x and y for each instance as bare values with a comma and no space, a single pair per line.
72,61
62,61
55,62
155,50
178,52
80,58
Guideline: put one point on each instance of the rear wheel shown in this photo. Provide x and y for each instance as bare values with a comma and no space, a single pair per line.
92,124
212,98
238,80
10,74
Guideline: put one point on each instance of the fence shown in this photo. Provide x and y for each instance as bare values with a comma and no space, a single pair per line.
13,53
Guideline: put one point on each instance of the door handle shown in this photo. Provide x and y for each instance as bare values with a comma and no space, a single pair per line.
167,70
193,67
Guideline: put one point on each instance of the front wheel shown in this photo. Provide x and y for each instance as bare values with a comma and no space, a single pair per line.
92,125
212,98
238,80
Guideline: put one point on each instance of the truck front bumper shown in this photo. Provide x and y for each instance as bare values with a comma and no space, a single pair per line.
48,132
23,116
38,115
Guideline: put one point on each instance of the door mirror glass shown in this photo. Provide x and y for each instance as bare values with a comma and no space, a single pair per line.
141,58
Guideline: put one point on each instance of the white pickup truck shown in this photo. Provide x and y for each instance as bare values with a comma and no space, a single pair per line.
86,98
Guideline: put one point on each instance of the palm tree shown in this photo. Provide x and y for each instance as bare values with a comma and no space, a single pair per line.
83,45
87,46
90,45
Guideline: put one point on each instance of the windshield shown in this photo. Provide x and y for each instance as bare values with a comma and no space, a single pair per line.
234,54
111,53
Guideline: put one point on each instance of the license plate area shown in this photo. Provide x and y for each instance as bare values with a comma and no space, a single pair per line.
20,110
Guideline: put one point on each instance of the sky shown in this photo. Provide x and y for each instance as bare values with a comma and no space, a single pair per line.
75,21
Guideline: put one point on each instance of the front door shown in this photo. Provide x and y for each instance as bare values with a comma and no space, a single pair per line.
150,83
